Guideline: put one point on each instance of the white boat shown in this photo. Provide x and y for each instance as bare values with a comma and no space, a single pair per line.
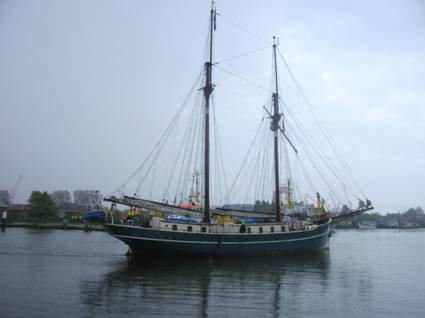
367,225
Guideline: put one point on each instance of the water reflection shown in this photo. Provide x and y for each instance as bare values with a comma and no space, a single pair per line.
68,274
206,286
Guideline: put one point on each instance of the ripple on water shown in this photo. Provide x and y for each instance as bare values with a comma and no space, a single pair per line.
72,273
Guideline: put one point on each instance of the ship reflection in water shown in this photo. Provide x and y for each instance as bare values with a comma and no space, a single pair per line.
267,286
75,274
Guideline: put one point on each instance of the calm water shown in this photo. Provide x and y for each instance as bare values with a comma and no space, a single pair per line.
49,273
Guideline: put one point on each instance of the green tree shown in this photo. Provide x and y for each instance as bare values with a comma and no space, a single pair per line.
42,207
5,196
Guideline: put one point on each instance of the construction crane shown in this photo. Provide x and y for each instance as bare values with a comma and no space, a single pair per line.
14,190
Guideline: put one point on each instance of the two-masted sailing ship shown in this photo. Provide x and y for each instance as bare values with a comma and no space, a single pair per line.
176,228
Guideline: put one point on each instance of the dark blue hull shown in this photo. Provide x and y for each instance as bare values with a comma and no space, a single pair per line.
94,216
153,241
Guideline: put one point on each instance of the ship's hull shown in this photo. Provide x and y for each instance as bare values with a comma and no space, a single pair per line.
154,241
94,216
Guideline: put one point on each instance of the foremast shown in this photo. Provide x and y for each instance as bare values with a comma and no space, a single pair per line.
208,89
275,128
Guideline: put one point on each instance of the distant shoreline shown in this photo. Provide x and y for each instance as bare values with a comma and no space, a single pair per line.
57,226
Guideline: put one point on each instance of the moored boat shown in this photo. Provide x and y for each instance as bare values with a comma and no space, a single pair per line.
364,225
198,227
94,216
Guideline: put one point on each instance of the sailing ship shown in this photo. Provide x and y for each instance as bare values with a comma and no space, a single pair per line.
179,229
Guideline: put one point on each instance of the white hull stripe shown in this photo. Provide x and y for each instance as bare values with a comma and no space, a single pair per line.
207,233
217,243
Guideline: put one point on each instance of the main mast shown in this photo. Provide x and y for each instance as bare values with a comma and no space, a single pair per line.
208,89
275,128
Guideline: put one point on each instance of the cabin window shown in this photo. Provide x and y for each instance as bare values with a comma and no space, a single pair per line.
204,229
248,230
260,229
189,229
272,229
283,228
174,227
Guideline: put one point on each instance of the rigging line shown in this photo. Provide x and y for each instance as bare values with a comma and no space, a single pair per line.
153,179
243,29
323,157
266,167
191,157
217,180
170,126
296,180
151,165
310,156
242,55
171,159
260,157
313,162
306,149
217,172
156,157
270,163
321,125
135,172
257,184
256,159
307,176
331,196
314,112
243,79
246,157
284,155
255,172
214,150
259,165
185,144
262,153
251,179
220,150
196,133
181,145
245,178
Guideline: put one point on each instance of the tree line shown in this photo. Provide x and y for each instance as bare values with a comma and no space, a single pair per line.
79,197
44,206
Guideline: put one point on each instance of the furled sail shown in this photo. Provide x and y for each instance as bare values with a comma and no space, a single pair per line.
166,209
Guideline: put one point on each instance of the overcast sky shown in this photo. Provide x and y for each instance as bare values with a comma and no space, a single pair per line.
87,87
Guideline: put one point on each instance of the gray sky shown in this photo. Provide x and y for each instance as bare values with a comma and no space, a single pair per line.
87,87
